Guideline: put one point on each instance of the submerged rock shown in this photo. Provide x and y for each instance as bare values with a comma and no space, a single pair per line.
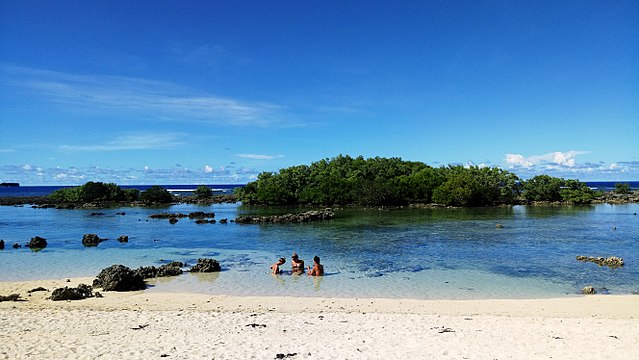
123,238
119,278
612,261
37,243
287,218
66,293
91,240
173,268
206,265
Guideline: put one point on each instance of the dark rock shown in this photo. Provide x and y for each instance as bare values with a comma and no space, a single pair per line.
287,218
66,293
201,215
201,221
37,289
171,269
612,261
224,221
167,216
16,245
119,278
206,265
1,244
37,243
588,290
96,214
173,220
91,240
120,213
123,239
12,297
499,226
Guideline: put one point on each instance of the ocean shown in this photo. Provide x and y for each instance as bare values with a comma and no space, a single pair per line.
401,253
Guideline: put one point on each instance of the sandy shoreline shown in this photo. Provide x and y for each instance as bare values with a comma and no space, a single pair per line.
147,325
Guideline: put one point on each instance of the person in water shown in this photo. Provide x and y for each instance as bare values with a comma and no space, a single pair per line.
318,269
297,264
276,267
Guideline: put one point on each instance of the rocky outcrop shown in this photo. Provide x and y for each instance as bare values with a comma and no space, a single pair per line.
613,261
12,297
168,216
91,240
201,215
206,265
123,239
66,293
37,243
588,290
287,218
119,278
171,269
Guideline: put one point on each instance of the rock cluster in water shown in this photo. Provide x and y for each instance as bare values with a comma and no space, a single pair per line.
613,261
173,268
91,240
316,215
206,265
37,243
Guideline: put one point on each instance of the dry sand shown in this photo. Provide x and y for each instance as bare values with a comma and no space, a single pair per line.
153,325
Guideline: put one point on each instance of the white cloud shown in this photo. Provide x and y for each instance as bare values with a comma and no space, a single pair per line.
260,156
208,169
27,167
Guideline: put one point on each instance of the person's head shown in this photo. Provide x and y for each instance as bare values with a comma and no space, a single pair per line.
316,259
281,261
295,257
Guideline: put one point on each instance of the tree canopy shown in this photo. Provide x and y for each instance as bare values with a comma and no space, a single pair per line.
344,180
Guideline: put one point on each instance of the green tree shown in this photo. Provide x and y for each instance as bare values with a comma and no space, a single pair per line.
203,192
543,188
622,188
577,192
156,195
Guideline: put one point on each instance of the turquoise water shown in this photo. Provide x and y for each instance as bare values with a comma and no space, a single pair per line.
425,253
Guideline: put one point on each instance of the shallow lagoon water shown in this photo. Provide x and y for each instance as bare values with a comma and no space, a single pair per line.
401,253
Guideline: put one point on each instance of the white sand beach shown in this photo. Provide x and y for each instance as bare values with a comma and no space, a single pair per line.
150,325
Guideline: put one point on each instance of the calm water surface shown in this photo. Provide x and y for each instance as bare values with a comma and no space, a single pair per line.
431,253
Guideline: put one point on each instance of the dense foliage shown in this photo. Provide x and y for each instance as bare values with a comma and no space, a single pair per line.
203,192
156,195
344,180
95,191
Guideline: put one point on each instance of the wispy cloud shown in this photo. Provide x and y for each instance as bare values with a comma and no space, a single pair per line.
153,99
132,142
260,156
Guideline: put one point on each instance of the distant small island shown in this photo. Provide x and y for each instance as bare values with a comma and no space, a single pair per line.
9,184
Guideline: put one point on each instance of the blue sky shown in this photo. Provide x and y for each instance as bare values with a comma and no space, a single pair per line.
165,92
